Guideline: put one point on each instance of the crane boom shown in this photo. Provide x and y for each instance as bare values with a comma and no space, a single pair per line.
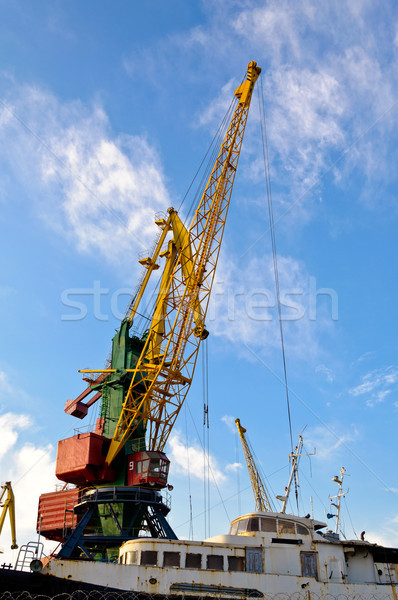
8,505
260,495
164,370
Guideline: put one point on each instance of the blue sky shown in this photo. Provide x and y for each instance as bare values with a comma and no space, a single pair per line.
106,110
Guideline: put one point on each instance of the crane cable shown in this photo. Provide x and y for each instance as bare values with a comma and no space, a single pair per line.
189,476
211,153
206,436
264,141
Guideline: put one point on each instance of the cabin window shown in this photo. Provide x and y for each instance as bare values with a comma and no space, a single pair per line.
286,527
302,530
268,525
132,558
171,559
215,562
236,563
254,560
309,567
242,525
149,557
193,561
155,467
253,524
138,466
145,465
234,528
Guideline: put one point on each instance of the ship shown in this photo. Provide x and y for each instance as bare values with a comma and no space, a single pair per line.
110,518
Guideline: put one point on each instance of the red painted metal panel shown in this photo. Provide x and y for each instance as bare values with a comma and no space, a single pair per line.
55,514
81,459
76,409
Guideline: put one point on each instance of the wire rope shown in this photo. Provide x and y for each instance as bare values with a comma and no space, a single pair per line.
264,141
211,146
189,476
349,516
211,470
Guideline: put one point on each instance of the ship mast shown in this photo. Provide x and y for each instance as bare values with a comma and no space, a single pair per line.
338,496
293,458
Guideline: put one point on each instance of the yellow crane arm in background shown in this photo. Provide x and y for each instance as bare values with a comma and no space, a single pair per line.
263,503
164,370
8,504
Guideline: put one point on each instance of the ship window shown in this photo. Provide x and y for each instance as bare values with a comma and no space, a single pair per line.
309,564
131,558
253,524
171,559
236,563
242,525
193,561
149,557
138,466
268,525
302,530
215,561
234,528
286,527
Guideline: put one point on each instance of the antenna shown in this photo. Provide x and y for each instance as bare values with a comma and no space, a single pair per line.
338,496
293,458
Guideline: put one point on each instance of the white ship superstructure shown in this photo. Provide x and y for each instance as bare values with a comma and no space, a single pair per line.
264,554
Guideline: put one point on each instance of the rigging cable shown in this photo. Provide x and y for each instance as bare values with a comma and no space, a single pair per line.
349,516
237,444
211,470
264,141
189,476
206,439
211,152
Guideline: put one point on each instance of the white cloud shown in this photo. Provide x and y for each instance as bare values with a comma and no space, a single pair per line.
326,89
328,373
190,460
97,189
330,442
10,424
386,534
376,385
219,106
236,466
243,307
229,421
5,385
273,25
31,470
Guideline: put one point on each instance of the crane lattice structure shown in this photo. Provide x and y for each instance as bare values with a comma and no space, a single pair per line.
263,503
8,505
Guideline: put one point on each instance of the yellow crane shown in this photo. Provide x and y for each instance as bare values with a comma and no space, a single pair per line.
263,503
7,503
163,372
144,384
